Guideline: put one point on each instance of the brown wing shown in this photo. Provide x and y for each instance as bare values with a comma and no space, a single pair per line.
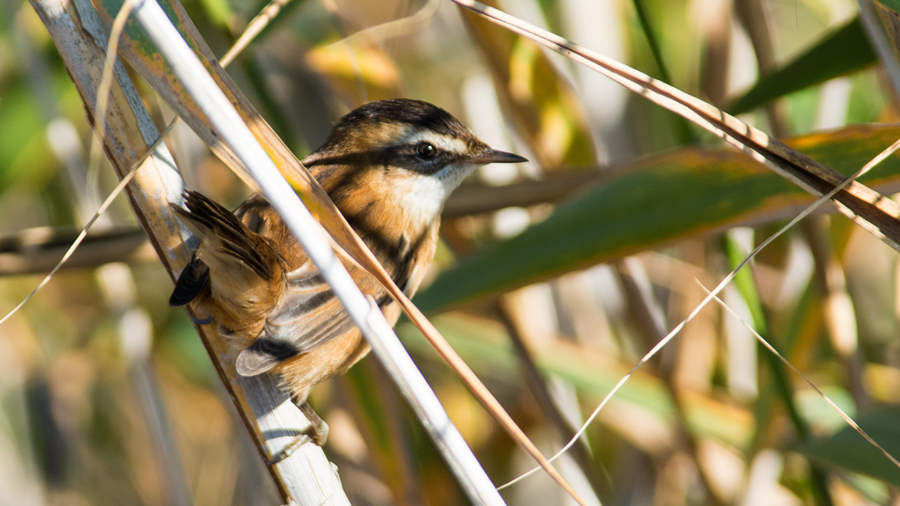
207,219
308,316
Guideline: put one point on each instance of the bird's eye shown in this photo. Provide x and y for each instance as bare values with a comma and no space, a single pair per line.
426,150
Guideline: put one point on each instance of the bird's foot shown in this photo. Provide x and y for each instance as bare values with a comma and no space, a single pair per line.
317,433
318,429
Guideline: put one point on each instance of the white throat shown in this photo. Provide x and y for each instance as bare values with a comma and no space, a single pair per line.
422,197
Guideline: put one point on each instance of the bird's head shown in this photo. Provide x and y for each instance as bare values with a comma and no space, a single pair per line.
410,152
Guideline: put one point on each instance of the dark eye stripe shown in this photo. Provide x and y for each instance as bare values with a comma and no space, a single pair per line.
402,156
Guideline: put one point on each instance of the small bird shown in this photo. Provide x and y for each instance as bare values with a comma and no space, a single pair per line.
389,166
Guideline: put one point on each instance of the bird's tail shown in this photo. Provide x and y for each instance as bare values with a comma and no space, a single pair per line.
226,246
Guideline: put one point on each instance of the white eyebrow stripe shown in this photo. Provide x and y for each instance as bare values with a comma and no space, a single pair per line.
443,142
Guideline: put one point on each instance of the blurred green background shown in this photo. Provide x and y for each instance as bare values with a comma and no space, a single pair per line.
552,279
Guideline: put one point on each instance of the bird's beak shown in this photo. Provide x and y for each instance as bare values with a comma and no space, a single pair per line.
494,156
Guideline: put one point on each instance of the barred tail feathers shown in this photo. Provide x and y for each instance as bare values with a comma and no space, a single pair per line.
225,233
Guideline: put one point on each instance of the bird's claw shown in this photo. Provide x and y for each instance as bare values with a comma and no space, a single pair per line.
317,433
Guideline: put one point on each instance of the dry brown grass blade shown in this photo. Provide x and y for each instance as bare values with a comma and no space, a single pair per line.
475,385
313,197
596,475
866,207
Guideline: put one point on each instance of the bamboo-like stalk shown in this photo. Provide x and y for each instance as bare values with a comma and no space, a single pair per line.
365,313
307,477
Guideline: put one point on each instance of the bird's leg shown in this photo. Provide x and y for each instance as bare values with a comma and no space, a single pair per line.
317,432
318,429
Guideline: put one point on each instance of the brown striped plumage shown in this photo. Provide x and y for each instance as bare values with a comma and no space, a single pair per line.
389,167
